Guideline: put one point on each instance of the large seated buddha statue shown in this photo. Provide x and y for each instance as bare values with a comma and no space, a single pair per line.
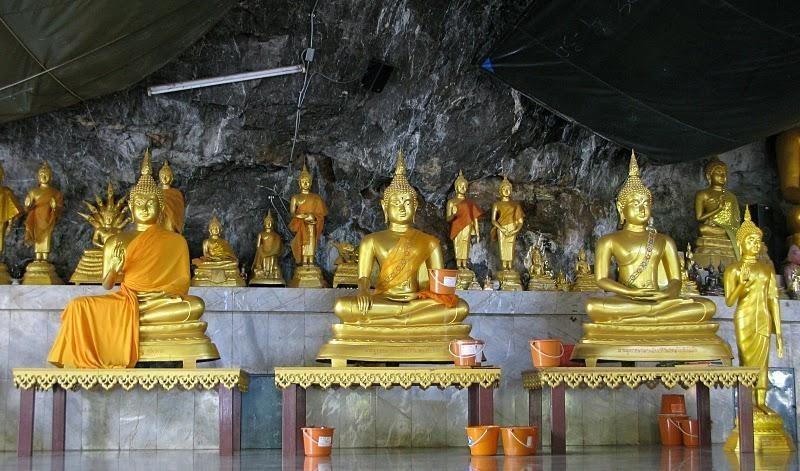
152,318
643,319
401,321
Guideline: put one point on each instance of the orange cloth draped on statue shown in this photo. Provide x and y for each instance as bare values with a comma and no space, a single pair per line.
466,212
314,205
9,206
174,207
103,331
41,218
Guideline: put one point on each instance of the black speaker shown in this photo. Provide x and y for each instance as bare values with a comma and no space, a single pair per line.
376,76
772,224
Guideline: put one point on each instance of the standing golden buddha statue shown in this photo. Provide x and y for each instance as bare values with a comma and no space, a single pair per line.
10,209
219,265
174,204
750,284
106,218
584,278
308,212
44,205
507,219
717,211
401,321
151,318
643,320
266,264
462,213
787,150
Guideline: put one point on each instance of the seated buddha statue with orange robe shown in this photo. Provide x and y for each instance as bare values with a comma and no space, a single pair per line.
151,317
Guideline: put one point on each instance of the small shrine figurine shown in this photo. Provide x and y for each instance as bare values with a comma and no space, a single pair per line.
541,277
562,284
44,205
717,212
219,265
584,278
642,320
488,283
346,273
10,209
308,212
688,284
266,264
507,219
106,218
174,205
791,272
750,284
463,215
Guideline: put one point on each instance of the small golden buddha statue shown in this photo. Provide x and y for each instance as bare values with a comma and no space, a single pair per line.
401,321
642,319
106,218
688,285
463,214
717,212
507,219
44,205
10,209
541,277
266,265
346,273
750,284
174,205
562,284
308,213
584,278
152,318
219,265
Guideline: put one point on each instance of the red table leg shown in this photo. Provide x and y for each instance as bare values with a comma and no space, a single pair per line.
226,419
294,419
746,440
558,420
27,403
59,417
704,413
480,405
535,411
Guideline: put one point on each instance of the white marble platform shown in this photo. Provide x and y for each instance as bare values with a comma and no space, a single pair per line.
260,328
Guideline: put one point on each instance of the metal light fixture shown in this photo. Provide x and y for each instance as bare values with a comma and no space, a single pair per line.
210,82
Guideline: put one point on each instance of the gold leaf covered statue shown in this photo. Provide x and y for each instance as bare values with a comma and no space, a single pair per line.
541,276
750,284
106,218
151,318
584,278
308,212
463,215
266,265
346,273
717,212
219,265
688,285
507,219
174,204
643,320
44,205
401,321
10,209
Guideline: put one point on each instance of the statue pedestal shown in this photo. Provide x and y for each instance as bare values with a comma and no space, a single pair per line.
768,434
41,272
466,279
585,284
263,281
90,268
542,284
307,276
346,274
509,280
713,251
5,278
224,276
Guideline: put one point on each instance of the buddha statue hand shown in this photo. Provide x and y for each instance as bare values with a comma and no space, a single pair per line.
118,258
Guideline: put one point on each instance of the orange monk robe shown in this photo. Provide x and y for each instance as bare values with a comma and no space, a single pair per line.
9,206
41,218
466,212
174,208
103,331
312,204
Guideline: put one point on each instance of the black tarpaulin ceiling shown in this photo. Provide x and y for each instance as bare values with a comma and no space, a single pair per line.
676,80
56,53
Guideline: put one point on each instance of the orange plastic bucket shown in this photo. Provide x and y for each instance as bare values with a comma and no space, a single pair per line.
317,441
467,352
519,441
482,439
669,429
483,463
690,428
673,404
546,352
442,280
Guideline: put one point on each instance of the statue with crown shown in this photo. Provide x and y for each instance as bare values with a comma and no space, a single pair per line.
401,321
151,318
645,318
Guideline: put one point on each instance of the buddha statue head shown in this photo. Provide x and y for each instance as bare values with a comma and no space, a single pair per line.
462,184
269,221
146,198
634,200
399,200
214,227
165,175
45,173
748,236
506,188
304,180
716,172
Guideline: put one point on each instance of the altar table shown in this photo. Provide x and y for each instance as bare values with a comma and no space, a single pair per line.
294,381
701,377
229,382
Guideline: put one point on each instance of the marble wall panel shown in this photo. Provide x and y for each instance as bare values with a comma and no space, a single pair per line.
175,420
357,423
456,416
28,340
8,422
206,419
5,369
100,419
575,418
317,331
270,300
250,341
261,414
74,424
220,331
216,299
138,419
393,418
428,409
285,340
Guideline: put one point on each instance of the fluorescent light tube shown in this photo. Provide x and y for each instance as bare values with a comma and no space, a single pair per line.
210,82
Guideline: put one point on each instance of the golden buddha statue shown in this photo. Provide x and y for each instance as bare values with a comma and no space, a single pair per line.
308,213
400,321
219,265
346,273
584,278
642,319
10,209
462,213
266,265
750,284
541,277
507,219
717,211
174,205
151,318
106,218
787,150
44,205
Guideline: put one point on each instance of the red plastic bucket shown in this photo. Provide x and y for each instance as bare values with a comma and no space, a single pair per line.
673,404
317,441
669,429
467,352
690,428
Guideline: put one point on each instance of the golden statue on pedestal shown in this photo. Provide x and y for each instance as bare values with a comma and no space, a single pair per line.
787,149
308,213
750,284
688,285
174,204
346,273
584,278
219,265
10,209
644,320
463,214
44,205
400,321
152,318
541,276
266,265
717,211
507,219
107,218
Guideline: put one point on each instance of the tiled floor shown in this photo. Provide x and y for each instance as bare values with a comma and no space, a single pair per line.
580,458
